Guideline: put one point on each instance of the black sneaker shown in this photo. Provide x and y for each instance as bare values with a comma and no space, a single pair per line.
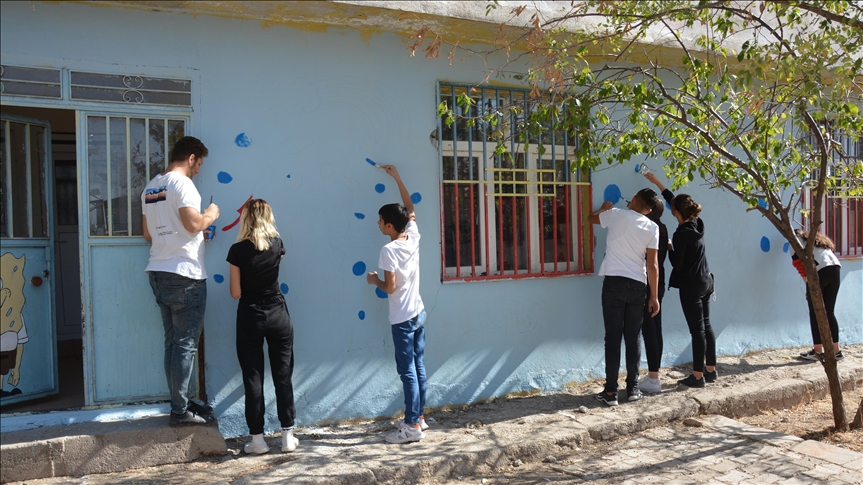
710,376
609,400
691,381
811,355
839,355
189,418
633,395
200,409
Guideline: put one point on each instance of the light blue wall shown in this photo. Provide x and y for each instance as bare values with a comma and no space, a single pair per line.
314,106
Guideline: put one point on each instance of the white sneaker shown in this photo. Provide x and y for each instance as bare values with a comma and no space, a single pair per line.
289,441
646,384
423,425
253,448
404,434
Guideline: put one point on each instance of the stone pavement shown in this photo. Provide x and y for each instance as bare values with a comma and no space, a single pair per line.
480,440
708,449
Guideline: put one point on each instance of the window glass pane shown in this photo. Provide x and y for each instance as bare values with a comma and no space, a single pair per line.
176,130
461,227
833,221
138,166
19,179
97,168
157,147
37,180
119,181
4,184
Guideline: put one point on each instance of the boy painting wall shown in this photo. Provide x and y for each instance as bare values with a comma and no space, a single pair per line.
399,259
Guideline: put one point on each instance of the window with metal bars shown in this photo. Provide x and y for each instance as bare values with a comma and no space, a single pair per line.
123,154
842,215
519,214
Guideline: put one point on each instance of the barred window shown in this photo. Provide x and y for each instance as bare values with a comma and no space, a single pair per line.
123,154
842,214
518,214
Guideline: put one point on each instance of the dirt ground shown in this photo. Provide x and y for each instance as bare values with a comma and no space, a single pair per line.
814,420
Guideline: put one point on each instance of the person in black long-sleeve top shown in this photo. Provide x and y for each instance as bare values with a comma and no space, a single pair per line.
691,275
651,329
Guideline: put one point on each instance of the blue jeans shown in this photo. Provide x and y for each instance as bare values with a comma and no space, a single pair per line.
182,301
409,339
623,314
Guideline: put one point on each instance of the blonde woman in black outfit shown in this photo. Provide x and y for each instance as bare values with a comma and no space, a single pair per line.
691,275
262,315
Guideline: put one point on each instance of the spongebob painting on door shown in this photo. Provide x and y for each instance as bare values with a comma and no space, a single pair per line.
13,332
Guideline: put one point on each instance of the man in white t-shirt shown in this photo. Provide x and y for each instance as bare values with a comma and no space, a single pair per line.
176,227
630,262
400,261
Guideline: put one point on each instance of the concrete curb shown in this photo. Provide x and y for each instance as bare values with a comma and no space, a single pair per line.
103,447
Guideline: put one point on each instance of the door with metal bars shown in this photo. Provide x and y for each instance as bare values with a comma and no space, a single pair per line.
124,334
28,353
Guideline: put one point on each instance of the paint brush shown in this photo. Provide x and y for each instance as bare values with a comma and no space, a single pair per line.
372,163
211,199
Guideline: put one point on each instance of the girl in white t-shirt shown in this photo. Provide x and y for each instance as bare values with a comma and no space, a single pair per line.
828,276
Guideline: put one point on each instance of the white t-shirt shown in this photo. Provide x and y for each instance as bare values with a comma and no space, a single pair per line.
174,249
630,235
823,257
403,259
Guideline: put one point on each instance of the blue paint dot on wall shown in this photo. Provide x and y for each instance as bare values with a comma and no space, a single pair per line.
224,177
362,315
765,244
289,176
786,247
218,278
284,288
359,268
612,194
416,197
381,293
762,202
359,215
667,205
242,140
379,188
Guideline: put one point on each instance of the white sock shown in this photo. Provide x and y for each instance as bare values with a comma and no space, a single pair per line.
653,380
258,440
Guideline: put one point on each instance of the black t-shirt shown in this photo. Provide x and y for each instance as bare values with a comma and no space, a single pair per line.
259,270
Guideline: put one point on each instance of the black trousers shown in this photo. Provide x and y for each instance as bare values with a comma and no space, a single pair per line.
622,312
256,322
829,278
651,330
696,309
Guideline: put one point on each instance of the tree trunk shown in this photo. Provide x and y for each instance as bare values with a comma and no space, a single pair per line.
814,285
858,418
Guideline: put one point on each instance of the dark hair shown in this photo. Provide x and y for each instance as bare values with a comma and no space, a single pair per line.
395,214
656,212
821,240
686,207
645,200
188,145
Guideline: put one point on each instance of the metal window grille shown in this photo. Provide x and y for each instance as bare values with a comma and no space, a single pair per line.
24,210
89,86
522,214
842,215
123,154
30,82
